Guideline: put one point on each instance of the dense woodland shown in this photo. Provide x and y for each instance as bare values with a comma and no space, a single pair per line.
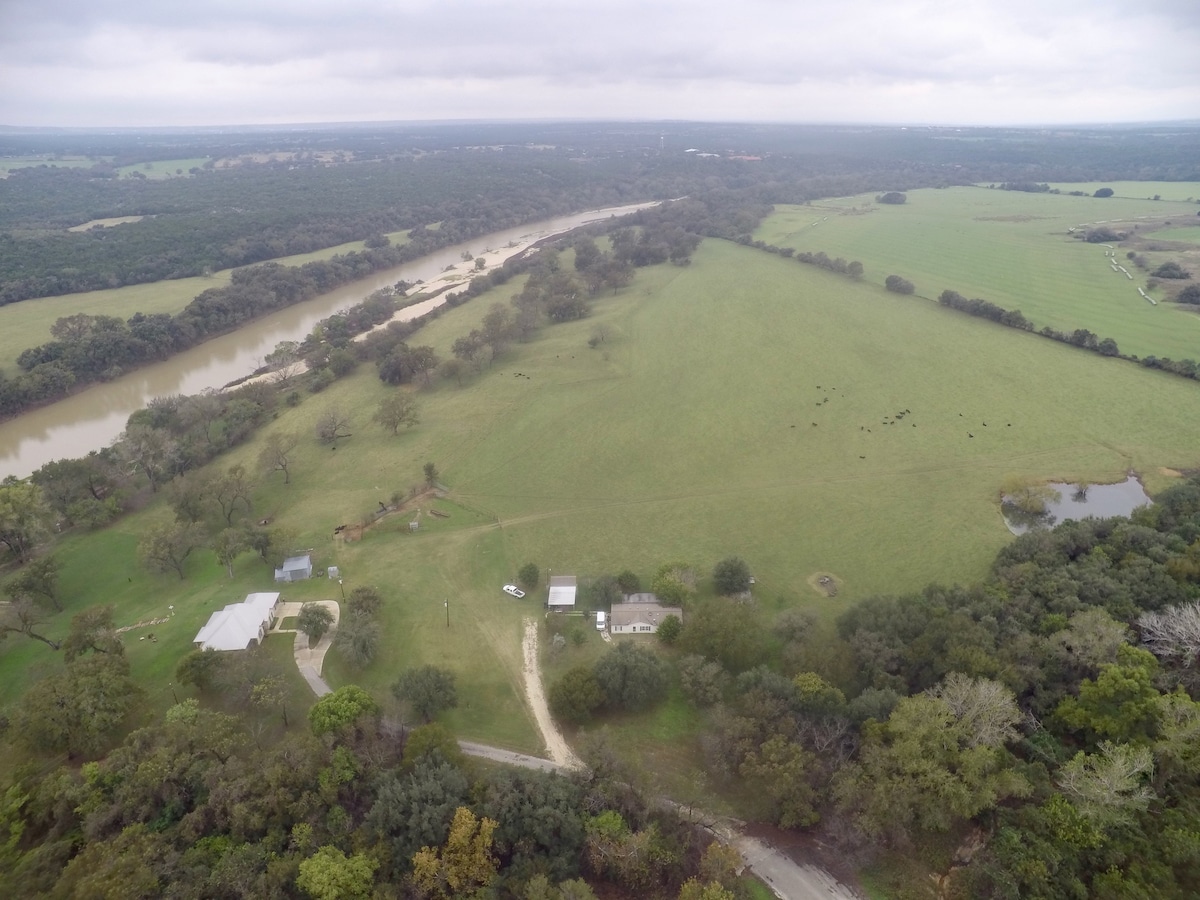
347,185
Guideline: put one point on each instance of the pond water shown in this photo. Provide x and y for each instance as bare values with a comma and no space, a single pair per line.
1077,501
93,418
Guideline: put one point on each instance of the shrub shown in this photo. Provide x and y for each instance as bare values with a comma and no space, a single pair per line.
670,629
1171,270
731,576
529,575
575,696
631,677
898,285
629,583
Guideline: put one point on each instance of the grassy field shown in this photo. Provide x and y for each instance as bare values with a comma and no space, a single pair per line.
1008,247
1139,190
700,429
1189,233
27,324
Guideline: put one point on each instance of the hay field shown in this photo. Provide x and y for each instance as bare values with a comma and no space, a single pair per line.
1008,247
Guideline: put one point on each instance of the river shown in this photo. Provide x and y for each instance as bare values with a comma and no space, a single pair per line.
94,417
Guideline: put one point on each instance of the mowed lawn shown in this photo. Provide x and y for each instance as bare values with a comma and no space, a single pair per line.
692,432
27,324
1009,247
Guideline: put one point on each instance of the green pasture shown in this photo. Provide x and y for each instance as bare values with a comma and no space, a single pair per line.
1009,247
1191,234
1139,190
688,434
27,324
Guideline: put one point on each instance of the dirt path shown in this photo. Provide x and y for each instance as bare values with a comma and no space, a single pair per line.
556,746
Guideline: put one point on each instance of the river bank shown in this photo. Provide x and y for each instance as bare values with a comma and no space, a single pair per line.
93,418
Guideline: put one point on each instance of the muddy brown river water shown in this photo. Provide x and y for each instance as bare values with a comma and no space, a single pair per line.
93,418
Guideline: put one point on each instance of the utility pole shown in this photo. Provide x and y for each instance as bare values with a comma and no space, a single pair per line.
447,605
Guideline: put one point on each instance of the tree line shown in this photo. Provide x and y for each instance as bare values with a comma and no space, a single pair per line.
90,348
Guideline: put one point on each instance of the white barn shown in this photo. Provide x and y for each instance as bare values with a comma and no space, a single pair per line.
239,625
562,592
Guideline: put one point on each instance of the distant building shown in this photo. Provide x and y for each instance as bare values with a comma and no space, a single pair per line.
295,568
562,592
640,614
239,626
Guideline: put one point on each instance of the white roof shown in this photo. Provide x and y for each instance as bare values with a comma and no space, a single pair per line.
562,590
235,626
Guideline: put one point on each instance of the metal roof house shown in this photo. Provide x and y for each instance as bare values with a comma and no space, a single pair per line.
640,616
239,625
295,568
562,592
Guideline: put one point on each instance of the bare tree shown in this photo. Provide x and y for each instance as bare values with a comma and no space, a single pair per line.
1174,633
276,454
22,616
234,487
986,709
333,425
1109,786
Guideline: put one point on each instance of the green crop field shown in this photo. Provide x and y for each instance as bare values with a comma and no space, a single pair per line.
1009,247
27,324
698,430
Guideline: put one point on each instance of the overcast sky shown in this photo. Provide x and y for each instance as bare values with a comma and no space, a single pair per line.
210,62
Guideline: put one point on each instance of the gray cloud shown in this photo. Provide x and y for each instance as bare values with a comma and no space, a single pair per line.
107,62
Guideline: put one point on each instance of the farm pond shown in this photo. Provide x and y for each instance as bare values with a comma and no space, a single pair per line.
1064,501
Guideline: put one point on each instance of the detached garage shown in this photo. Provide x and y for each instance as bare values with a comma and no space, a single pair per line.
295,568
562,592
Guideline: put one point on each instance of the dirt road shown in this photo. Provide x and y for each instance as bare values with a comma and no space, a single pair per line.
556,745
